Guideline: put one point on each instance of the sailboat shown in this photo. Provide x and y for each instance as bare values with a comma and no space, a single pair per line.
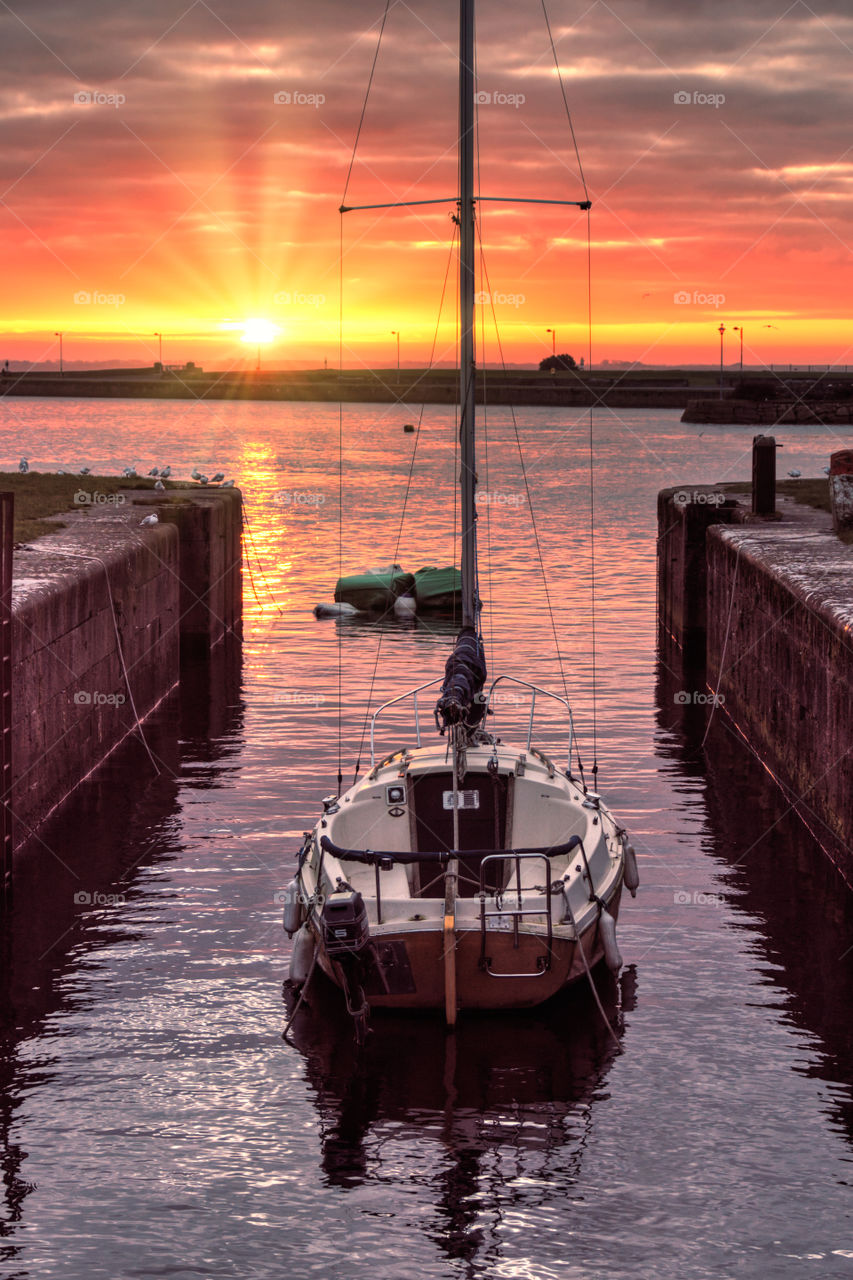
463,872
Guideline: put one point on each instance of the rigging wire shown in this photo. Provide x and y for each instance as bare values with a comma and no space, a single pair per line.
341,378
248,527
527,489
366,96
565,102
591,506
406,499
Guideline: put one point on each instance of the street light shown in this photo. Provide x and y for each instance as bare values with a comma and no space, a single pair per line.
59,336
160,336
395,332
722,331
739,329
553,333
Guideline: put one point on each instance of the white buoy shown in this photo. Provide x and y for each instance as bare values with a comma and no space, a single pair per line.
294,911
632,871
334,609
405,606
607,928
301,956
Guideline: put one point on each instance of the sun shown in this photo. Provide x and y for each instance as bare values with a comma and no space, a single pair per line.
257,331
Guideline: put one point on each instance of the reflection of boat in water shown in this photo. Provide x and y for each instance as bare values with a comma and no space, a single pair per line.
494,1118
465,872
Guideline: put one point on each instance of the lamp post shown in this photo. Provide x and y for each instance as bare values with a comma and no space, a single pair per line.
59,336
396,333
722,331
160,336
739,329
553,333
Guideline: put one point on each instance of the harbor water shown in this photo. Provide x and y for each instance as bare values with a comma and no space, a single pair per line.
154,1122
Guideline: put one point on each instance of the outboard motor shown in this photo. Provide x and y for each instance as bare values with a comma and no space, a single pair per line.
344,922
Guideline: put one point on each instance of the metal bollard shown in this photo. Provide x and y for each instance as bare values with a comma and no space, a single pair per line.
764,475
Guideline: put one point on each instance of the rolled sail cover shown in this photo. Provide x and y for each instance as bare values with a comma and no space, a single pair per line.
464,677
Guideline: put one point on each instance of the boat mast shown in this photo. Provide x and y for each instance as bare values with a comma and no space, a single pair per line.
467,370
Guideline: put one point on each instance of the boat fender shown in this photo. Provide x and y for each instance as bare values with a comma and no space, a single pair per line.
302,956
632,871
294,908
405,606
607,927
336,609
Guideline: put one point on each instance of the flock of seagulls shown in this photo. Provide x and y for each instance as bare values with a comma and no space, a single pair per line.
156,473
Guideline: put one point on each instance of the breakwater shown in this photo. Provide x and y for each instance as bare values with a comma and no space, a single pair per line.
102,612
760,613
768,413
406,387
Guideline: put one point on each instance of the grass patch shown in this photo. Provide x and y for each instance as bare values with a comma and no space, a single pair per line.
40,494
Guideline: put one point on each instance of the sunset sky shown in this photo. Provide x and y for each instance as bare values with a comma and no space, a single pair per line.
178,168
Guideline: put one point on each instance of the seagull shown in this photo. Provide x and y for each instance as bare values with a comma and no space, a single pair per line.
195,473
152,519
826,471
228,484
795,474
84,471
60,472
160,487
155,471
220,475
165,473
23,466
130,472
202,479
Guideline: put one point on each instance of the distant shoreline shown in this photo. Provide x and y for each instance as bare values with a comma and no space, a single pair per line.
664,389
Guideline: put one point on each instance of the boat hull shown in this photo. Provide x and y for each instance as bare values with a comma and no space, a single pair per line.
409,969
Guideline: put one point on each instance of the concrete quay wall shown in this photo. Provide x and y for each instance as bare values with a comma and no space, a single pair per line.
780,653
102,611
758,613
